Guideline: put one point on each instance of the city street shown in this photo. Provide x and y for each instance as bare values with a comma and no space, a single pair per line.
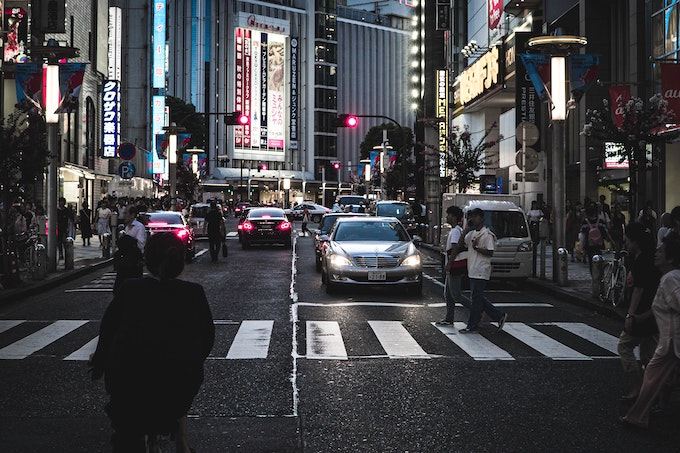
295,369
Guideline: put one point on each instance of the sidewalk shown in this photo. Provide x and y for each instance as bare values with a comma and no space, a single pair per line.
85,259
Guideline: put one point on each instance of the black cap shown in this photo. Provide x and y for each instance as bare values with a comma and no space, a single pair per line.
476,211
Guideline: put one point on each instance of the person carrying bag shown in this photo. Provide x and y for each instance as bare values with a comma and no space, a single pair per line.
456,266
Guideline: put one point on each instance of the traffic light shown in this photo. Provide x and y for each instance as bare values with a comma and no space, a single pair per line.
261,166
236,119
336,164
346,120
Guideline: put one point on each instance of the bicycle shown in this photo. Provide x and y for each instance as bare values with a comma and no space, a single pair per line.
613,280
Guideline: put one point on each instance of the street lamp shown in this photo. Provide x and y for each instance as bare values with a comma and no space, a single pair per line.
559,47
172,132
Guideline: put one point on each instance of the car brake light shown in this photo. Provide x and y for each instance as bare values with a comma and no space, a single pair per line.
240,226
248,226
283,226
266,216
157,224
182,233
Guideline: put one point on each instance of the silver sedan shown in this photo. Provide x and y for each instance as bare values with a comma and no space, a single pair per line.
371,251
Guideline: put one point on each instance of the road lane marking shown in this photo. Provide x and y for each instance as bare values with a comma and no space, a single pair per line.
595,336
396,341
6,325
474,345
500,304
252,340
542,343
360,304
324,341
84,352
38,340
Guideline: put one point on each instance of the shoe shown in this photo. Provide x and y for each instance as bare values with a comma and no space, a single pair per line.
444,322
501,322
627,424
466,330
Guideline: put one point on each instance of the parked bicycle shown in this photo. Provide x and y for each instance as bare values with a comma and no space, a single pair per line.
26,245
613,283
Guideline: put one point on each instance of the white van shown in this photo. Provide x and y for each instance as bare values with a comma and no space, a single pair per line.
513,255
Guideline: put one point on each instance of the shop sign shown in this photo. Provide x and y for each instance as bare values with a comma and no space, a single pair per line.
443,116
481,76
110,118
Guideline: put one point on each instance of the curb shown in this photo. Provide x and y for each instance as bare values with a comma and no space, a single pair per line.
14,294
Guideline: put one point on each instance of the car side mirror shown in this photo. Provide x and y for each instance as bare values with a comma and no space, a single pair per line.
417,240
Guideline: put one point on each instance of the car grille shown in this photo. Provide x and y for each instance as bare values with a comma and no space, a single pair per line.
376,261
505,267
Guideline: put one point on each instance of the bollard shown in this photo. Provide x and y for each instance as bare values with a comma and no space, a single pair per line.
106,245
40,270
562,266
68,253
596,271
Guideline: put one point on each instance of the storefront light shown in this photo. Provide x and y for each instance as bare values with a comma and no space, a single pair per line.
51,92
558,88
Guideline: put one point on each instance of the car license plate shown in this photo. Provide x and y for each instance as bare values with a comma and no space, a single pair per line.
376,276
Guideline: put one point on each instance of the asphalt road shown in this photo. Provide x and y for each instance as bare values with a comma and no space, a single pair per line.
295,369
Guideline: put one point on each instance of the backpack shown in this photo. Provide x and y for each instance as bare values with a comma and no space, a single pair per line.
594,235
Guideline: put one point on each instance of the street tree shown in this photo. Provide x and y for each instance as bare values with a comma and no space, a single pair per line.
642,124
399,174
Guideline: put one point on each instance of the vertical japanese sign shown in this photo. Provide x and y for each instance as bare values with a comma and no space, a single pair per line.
110,118
115,44
238,84
276,57
256,90
158,82
247,88
293,92
158,120
527,99
443,117
264,70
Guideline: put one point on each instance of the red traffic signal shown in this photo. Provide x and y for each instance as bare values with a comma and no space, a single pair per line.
236,119
336,164
346,120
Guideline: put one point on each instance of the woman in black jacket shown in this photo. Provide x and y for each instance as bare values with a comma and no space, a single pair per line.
154,337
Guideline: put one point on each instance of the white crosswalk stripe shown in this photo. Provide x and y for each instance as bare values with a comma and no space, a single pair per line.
252,340
324,340
103,284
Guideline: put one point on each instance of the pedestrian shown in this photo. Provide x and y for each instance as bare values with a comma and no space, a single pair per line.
592,234
666,308
675,217
456,266
666,222
154,338
572,224
647,215
134,227
214,224
62,226
128,261
604,207
534,216
480,242
85,223
103,215
39,223
640,327
306,216
618,223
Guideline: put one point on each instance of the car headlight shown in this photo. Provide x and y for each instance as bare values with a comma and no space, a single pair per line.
339,261
413,261
525,246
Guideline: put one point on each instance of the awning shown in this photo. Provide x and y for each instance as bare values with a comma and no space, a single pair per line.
87,173
236,174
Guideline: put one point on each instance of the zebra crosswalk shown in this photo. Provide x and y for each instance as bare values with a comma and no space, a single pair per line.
325,340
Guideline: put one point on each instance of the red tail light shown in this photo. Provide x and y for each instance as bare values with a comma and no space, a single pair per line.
240,226
284,226
182,233
157,224
248,226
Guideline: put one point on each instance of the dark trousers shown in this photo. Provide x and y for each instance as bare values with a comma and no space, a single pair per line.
215,245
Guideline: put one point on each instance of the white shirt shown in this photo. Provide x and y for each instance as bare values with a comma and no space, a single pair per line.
666,308
535,215
137,231
453,238
479,266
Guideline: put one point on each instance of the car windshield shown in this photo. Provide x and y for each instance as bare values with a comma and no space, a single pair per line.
506,224
200,211
327,223
265,213
400,211
170,218
348,199
370,232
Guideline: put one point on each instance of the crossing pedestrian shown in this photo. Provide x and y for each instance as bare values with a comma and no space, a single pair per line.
154,338
481,243
214,224
456,265
666,360
306,217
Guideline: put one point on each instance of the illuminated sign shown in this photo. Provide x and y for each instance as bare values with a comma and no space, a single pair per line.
110,118
613,156
115,43
157,123
443,116
480,76
158,76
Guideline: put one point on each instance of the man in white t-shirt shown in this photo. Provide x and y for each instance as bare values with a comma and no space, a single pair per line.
480,242
454,272
134,227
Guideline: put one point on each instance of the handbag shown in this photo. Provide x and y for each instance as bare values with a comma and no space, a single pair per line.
458,265
225,250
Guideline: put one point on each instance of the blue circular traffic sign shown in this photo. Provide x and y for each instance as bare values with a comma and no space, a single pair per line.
127,151
126,170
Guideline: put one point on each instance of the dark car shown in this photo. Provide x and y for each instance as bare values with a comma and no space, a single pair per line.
399,209
321,233
241,219
240,206
266,226
164,221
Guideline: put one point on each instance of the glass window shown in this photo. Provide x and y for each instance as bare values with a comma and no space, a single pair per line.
325,98
671,28
506,224
325,146
657,36
326,52
324,122
325,75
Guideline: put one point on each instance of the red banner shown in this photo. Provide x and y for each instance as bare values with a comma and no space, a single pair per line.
619,96
670,86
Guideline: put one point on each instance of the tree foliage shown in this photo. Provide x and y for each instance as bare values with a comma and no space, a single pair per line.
185,115
641,125
463,158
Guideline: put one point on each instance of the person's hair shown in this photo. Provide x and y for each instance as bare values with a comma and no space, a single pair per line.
132,209
476,211
213,205
675,214
126,243
591,210
672,243
637,232
455,211
666,220
164,255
